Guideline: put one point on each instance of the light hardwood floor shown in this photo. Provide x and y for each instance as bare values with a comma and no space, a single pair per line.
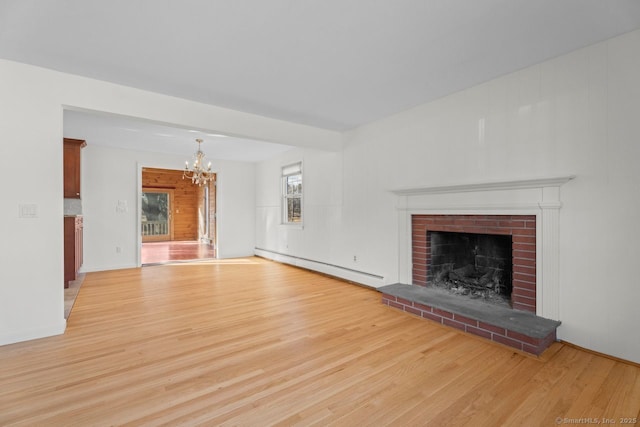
252,342
162,252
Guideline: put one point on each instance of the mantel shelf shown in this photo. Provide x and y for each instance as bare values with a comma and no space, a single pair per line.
486,186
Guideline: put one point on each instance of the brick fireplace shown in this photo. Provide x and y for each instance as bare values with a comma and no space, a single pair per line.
521,229
525,212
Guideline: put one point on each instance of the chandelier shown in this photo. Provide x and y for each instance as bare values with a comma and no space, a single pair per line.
198,174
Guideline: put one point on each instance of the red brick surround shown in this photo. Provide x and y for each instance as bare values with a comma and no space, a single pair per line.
494,333
522,228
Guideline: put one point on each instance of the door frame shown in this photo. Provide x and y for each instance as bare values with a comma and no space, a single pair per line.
138,192
164,237
211,213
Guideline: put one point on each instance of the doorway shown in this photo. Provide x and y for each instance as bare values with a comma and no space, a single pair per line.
157,219
178,218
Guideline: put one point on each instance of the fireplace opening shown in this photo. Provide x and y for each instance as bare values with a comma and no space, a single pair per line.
519,266
477,266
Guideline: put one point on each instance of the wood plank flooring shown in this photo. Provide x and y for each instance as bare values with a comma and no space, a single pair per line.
161,252
252,342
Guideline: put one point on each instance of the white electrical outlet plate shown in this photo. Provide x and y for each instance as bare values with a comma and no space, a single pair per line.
28,211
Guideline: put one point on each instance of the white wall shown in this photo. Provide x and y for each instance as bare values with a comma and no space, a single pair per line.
577,114
111,174
320,237
331,225
31,108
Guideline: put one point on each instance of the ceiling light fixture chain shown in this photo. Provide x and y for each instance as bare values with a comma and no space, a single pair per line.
198,174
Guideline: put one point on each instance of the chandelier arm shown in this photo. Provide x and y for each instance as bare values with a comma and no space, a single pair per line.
198,174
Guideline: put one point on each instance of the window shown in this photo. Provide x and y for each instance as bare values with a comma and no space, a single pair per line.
292,194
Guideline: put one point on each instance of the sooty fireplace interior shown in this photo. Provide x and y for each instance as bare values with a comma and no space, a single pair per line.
478,266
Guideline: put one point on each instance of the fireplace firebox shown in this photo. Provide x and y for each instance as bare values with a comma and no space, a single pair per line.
490,257
477,266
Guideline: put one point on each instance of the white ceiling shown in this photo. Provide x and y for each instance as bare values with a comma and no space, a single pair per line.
334,64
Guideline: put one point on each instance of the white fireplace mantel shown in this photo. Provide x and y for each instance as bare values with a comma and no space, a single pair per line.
536,196
485,186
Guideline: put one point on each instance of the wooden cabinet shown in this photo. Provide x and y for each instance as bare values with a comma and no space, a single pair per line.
71,171
72,248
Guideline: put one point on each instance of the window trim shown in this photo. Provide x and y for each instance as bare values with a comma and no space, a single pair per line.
286,171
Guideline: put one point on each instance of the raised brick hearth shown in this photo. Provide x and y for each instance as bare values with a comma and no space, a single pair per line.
521,228
517,329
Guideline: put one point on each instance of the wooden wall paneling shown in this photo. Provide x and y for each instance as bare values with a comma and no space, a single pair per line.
185,200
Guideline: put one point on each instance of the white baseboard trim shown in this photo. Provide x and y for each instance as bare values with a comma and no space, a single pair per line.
231,255
33,334
94,268
360,277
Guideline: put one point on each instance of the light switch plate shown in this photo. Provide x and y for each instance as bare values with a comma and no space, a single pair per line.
122,207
